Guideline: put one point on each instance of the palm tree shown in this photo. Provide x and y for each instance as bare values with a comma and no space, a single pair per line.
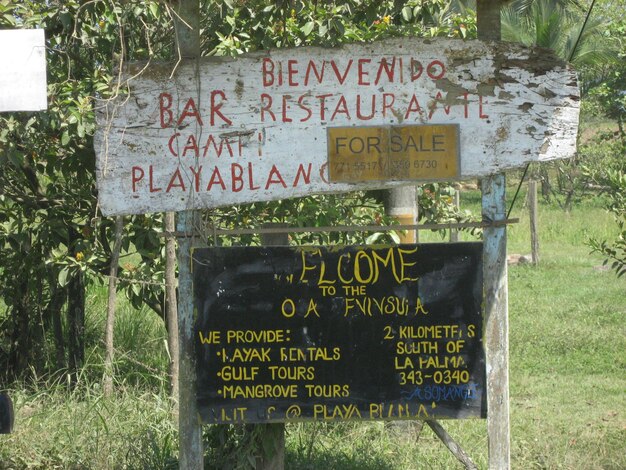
561,25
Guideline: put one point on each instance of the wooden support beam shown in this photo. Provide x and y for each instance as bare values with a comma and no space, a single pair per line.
496,324
488,21
495,284
272,457
187,28
401,204
191,453
452,445
344,228
171,308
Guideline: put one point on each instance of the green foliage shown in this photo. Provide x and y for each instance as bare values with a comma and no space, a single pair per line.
558,25
242,26
613,184
236,446
357,208
436,205
50,232
62,429
607,89
606,99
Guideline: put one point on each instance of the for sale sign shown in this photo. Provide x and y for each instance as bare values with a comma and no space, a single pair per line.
418,152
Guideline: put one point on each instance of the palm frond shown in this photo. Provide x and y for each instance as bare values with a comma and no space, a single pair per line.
558,25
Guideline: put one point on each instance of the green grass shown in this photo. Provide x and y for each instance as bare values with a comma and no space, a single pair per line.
60,429
567,372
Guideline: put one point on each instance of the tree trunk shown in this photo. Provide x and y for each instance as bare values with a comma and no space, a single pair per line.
76,324
55,305
171,308
19,356
76,319
110,322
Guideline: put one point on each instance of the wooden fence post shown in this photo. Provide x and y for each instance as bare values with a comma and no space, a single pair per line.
112,297
532,208
191,454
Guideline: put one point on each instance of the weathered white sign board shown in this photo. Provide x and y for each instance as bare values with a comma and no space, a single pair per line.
224,131
23,70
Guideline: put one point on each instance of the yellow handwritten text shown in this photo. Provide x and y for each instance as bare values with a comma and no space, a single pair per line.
327,391
246,355
361,267
384,410
292,373
309,354
253,336
366,306
259,391
429,332
418,347
228,373
338,412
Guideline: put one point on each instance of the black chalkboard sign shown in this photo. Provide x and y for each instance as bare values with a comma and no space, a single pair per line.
338,333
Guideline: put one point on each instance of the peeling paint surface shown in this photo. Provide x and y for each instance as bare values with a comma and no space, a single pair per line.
222,131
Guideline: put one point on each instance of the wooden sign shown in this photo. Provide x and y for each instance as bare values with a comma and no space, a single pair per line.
23,70
222,131
333,334
418,153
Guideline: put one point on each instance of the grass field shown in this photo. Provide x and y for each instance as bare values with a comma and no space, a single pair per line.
567,369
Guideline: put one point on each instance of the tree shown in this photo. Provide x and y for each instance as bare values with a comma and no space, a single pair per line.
560,25
613,182
607,99
52,240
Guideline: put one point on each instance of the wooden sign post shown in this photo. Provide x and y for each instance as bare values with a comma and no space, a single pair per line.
209,132
191,451
496,282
